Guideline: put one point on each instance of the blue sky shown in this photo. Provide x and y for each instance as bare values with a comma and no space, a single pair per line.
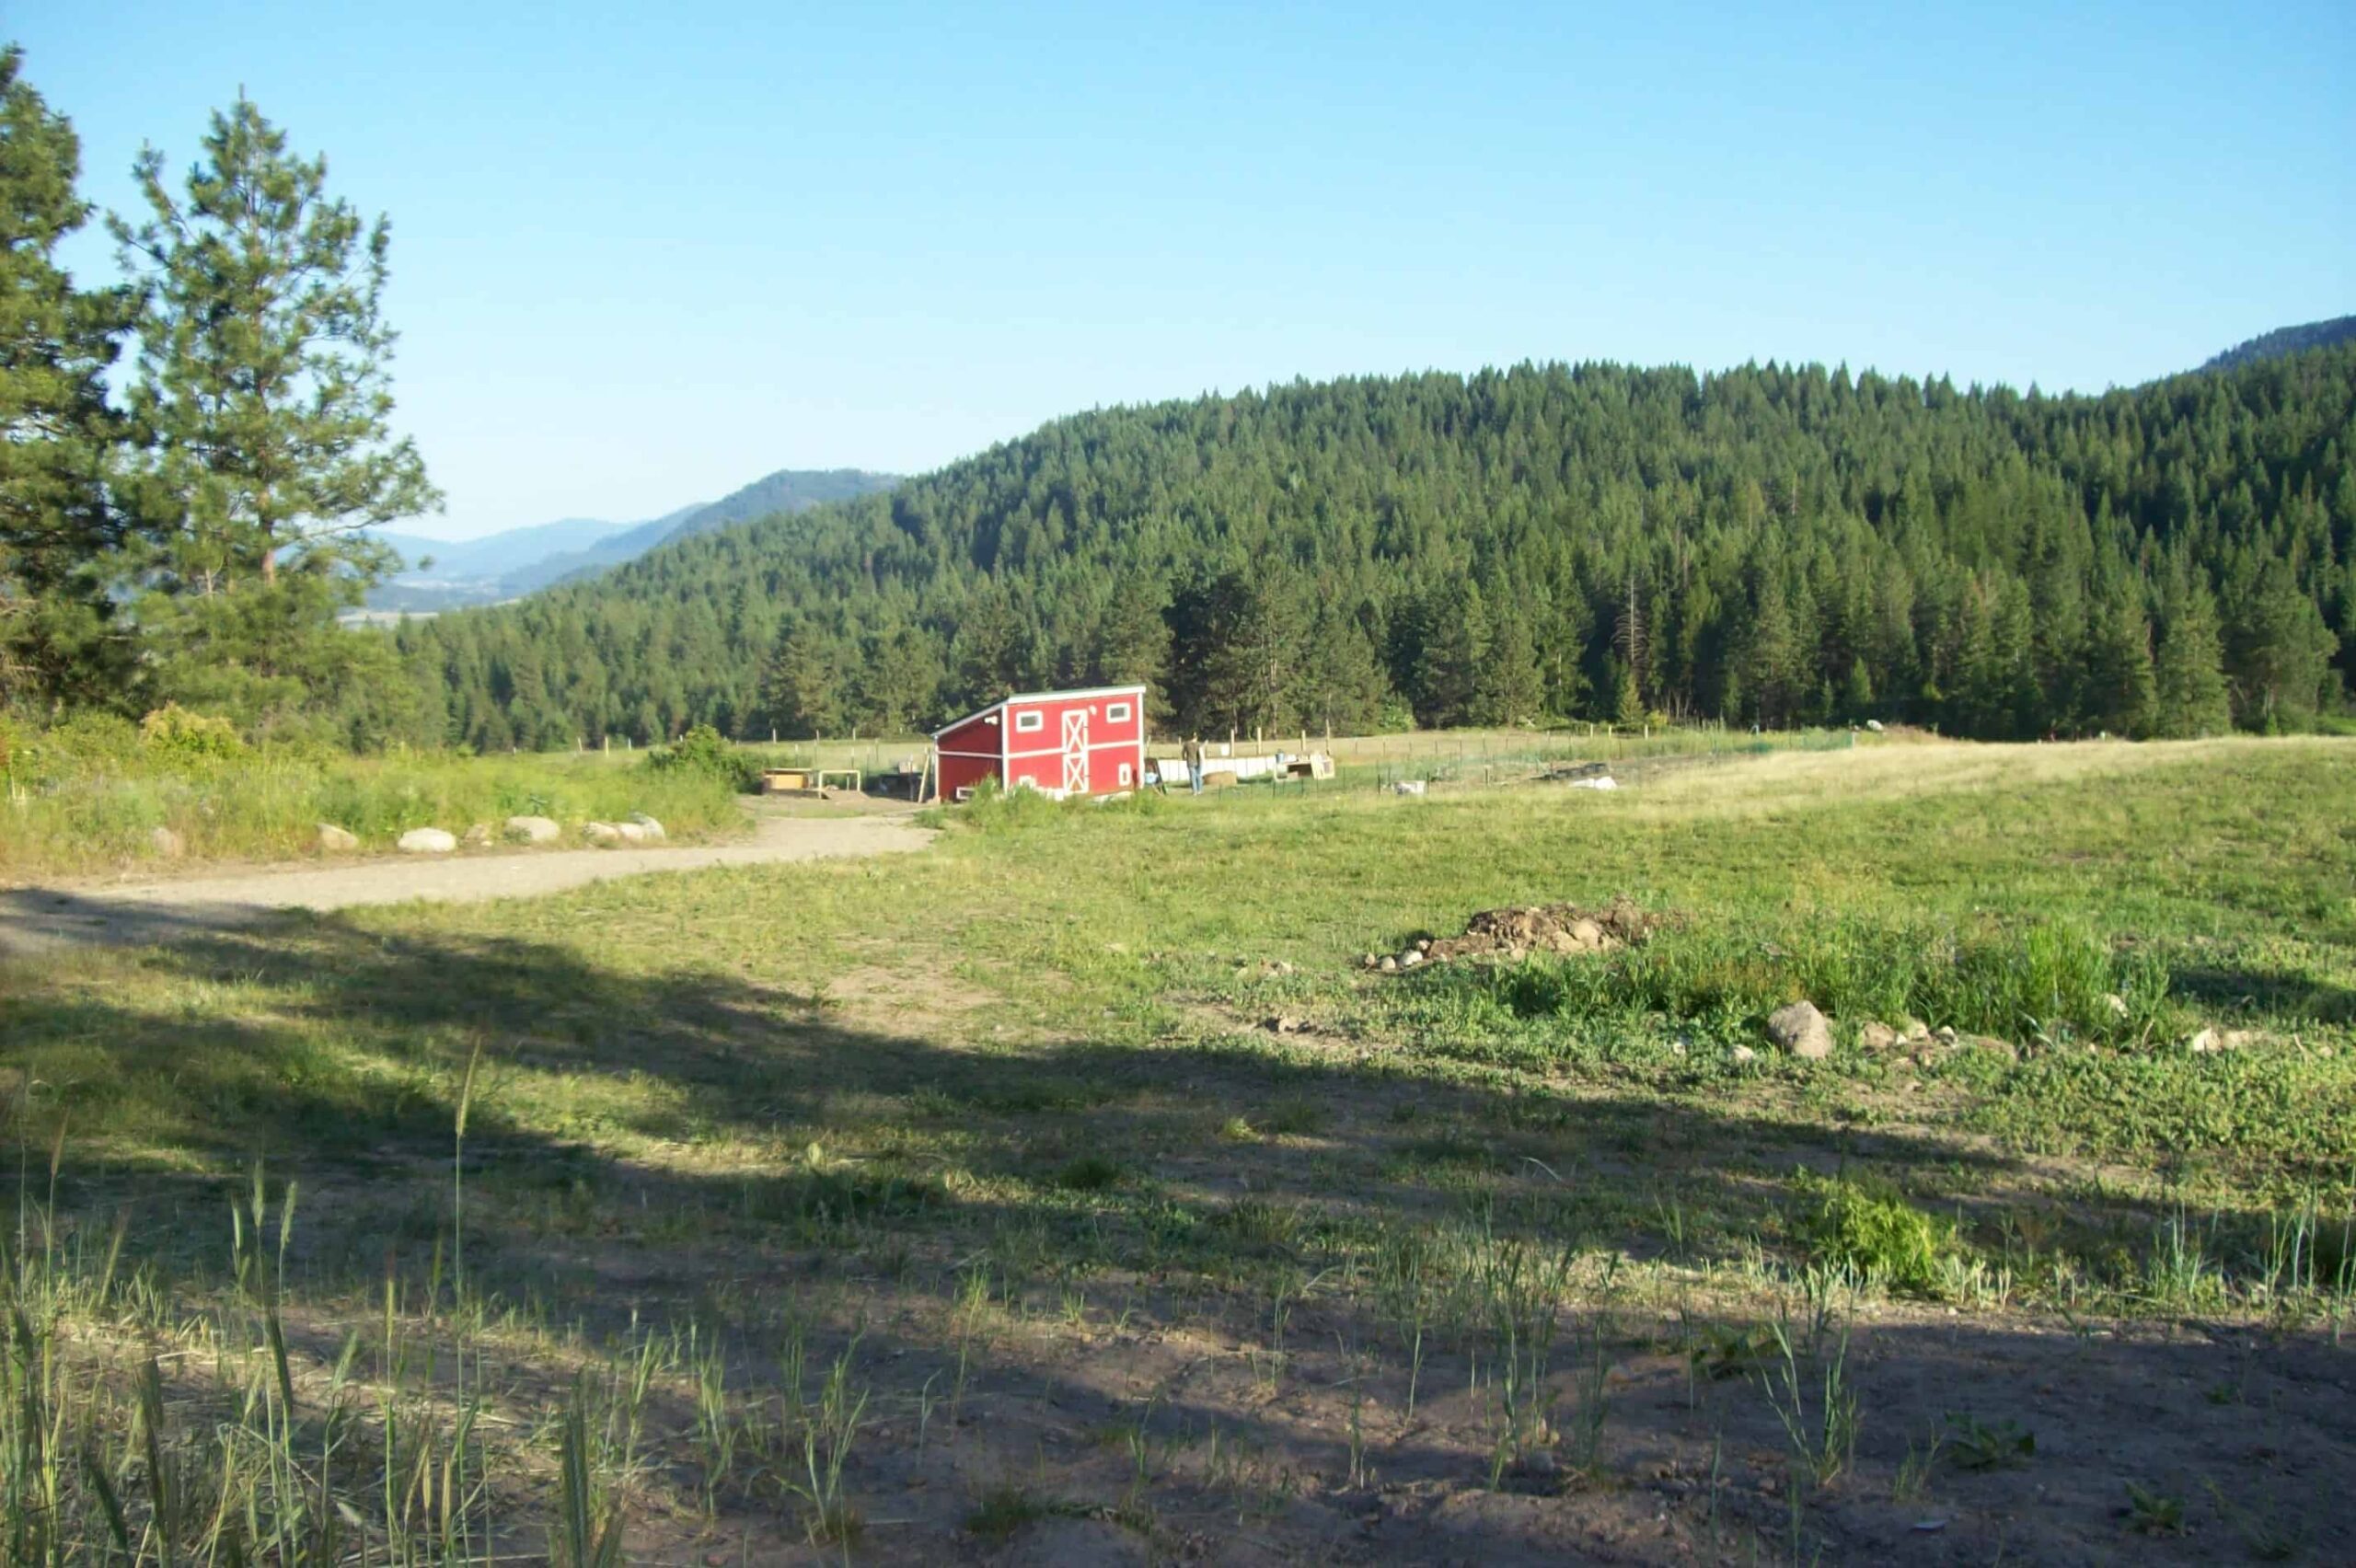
644,254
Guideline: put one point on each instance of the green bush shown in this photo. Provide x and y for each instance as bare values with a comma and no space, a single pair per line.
705,751
1873,1231
173,733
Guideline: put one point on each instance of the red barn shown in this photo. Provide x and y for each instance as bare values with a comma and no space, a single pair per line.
1058,742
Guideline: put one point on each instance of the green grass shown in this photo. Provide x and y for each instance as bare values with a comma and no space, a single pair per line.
945,1108
91,795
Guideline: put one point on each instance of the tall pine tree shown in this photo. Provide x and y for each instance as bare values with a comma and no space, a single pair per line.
62,537
264,386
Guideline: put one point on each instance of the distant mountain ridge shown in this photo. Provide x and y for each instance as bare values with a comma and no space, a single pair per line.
2286,340
515,561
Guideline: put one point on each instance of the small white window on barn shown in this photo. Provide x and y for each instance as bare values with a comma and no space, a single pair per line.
1127,777
1114,712
964,791
1031,719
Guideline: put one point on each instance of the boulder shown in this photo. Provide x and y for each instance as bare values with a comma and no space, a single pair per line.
167,843
1587,933
1744,1054
477,837
533,829
1912,1029
630,832
1389,965
654,834
1408,786
1802,1031
335,840
601,832
426,841
1877,1035
1411,958
2204,1042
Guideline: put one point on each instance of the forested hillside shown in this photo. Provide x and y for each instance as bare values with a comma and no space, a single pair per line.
2287,340
1771,545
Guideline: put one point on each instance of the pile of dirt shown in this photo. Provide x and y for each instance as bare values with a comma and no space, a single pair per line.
1511,934
1551,928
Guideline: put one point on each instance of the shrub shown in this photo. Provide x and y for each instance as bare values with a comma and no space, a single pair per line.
704,750
1875,1232
172,732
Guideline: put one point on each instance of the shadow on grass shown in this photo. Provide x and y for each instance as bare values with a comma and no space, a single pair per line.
2279,992
641,1149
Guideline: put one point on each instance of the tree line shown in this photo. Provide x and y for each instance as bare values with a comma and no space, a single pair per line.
1773,545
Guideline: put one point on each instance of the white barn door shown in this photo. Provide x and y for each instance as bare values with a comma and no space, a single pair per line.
1076,753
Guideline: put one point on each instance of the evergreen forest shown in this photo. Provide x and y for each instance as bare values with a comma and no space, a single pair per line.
1771,546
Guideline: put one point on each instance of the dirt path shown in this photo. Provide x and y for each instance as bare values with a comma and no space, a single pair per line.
43,919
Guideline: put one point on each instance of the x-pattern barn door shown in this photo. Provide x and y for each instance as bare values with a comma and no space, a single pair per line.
1076,753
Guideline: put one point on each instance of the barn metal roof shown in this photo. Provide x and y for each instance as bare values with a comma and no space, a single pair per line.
1037,697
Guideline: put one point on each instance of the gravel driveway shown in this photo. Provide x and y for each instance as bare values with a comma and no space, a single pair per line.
39,919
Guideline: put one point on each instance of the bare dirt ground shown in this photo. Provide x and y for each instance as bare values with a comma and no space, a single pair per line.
41,918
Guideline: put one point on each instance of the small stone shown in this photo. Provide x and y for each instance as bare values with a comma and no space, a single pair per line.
1744,1054
1945,1034
1995,1047
1282,1023
426,841
1389,965
1877,1035
1912,1029
601,832
1587,933
1423,944
1411,958
2117,1004
653,829
335,840
477,837
1801,1030
1371,961
167,843
2204,1042
630,832
533,829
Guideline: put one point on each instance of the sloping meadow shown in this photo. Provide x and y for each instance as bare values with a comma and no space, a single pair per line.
1074,1184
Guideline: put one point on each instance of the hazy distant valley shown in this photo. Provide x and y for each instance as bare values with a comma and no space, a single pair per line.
516,561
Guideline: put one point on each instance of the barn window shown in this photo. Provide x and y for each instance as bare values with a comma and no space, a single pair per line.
1127,777
1027,722
964,791
1114,713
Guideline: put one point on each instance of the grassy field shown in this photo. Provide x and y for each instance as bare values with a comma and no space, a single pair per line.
1074,1191
93,796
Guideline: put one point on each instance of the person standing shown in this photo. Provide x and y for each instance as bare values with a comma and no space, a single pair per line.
1193,754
